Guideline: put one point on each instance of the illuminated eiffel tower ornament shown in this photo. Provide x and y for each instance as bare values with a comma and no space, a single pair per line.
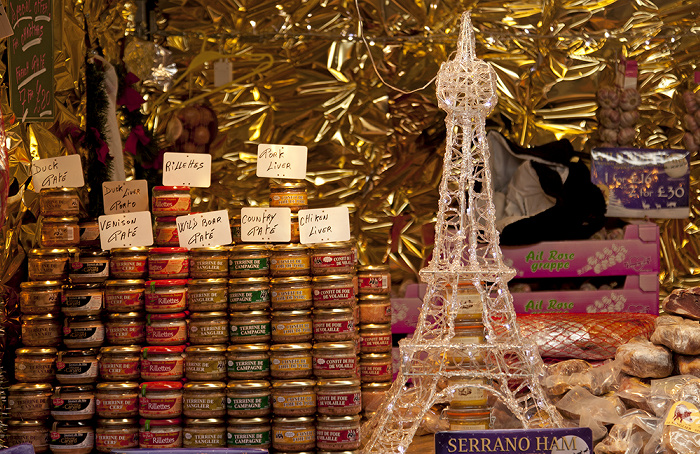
466,252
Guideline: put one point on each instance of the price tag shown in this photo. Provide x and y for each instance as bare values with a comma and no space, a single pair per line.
125,196
125,230
187,169
266,224
324,225
204,229
223,72
59,172
281,161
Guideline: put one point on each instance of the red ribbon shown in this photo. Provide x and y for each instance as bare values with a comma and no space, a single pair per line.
103,150
137,135
130,98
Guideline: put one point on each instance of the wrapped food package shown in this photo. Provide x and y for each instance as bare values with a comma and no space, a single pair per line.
688,365
634,392
628,436
683,301
591,411
681,426
563,376
641,358
679,334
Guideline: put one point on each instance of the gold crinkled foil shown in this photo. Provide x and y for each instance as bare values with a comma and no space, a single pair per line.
303,76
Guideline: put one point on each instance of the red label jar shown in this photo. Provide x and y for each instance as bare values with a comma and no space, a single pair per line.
374,279
116,434
332,258
375,309
166,296
335,359
375,338
163,363
120,363
338,397
124,295
125,328
171,201
160,433
160,399
375,367
336,324
128,263
336,290
166,232
117,400
168,263
290,194
338,433
166,329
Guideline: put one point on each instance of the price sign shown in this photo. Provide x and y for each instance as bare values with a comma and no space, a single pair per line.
58,172
576,440
204,229
281,161
266,224
324,225
187,169
125,196
125,230
30,53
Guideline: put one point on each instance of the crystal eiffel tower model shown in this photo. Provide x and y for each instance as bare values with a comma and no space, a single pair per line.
466,252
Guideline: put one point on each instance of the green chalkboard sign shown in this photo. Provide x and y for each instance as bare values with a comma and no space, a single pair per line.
30,52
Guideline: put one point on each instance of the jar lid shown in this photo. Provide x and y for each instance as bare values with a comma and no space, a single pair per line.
333,278
466,412
296,419
73,389
171,188
162,349
366,268
81,319
72,424
117,422
40,284
349,418
373,298
122,349
334,245
92,253
160,422
334,311
118,386
26,423
29,387
249,384
204,422
240,421
249,280
334,345
130,250
82,287
174,316
245,314
292,383
375,356
58,190
48,251
168,250
206,349
290,347
250,248
340,382
291,247
166,282
124,315
213,281
248,348
77,353
36,351
377,326
201,315
62,219
160,386
124,282
205,386
377,386
39,317
468,325
287,185
204,250
165,218
290,280
296,313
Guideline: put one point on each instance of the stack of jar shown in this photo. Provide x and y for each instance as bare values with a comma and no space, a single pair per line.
468,409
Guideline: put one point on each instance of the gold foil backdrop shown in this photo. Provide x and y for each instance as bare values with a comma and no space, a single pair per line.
304,76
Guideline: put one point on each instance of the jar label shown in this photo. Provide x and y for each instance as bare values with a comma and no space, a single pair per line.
213,296
205,367
383,340
375,282
293,328
248,296
333,261
38,438
375,370
119,369
337,435
165,333
116,405
92,333
219,265
72,407
161,368
214,440
291,295
41,335
166,300
209,330
234,439
294,436
203,403
28,404
108,442
123,301
248,365
148,439
282,364
291,263
59,205
34,368
75,440
338,400
121,334
258,329
345,326
76,370
167,236
52,267
85,302
348,363
167,267
172,203
128,266
248,403
149,404
98,269
334,293
252,264
290,199
296,401
470,396
56,233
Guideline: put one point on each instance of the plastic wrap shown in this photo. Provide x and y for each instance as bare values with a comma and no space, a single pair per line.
679,334
641,358
591,411
630,435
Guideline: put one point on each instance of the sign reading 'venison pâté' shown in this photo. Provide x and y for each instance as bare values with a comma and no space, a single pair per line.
516,441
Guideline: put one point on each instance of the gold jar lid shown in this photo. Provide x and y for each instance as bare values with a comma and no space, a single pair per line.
116,422
371,268
205,386
377,386
240,348
212,281
121,350
375,326
203,315
246,314
39,317
36,351
334,311
124,315
334,245
287,184
249,280
118,386
206,349
43,252
334,346
338,383
372,356
204,422
333,278
73,389
290,280
30,387
250,248
241,421
248,385
61,190
346,419
296,313
294,419
290,347
292,383
30,423
373,298
129,250
208,249
71,219
40,284
124,282
292,247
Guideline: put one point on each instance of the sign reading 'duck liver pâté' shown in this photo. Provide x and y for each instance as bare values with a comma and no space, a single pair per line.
515,441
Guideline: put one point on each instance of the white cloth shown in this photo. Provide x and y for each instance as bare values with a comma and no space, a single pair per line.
113,139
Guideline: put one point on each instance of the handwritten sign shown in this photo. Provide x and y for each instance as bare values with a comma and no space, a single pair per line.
323,225
30,53
187,169
125,196
58,172
266,224
281,161
125,230
204,229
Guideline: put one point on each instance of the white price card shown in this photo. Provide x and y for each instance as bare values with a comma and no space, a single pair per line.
323,225
223,72
266,224
187,169
204,229
125,230
125,196
281,161
59,172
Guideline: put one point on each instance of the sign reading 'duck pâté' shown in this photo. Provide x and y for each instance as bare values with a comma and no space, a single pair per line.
266,224
125,196
204,229
323,225
187,169
281,161
125,230
516,441
58,172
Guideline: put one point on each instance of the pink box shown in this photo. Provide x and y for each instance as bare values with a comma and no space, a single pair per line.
636,253
405,311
